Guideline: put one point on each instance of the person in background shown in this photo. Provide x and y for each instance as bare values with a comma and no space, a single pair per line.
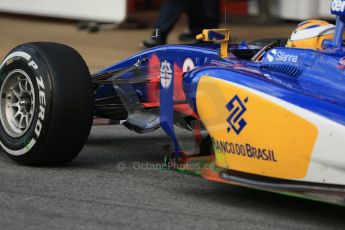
210,20
201,14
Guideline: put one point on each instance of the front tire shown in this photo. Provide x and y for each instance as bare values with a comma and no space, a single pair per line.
45,105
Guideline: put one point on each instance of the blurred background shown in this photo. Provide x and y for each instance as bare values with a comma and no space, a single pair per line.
106,31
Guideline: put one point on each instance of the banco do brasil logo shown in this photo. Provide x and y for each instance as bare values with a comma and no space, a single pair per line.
237,109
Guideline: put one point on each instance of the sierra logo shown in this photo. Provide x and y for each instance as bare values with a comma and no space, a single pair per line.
338,6
281,56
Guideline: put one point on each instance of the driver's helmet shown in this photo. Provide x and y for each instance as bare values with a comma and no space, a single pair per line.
311,34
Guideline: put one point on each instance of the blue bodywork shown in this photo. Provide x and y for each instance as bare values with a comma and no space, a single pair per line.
311,79
314,80
158,87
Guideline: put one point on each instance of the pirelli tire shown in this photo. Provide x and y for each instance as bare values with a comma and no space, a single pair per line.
46,104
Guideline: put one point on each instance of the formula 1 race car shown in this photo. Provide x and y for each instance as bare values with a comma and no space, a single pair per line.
269,117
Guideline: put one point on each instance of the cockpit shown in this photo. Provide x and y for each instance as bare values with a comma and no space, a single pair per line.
310,34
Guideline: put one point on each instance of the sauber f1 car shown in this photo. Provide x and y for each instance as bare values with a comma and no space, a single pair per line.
268,115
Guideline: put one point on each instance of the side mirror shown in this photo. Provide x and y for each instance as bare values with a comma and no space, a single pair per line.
217,35
213,35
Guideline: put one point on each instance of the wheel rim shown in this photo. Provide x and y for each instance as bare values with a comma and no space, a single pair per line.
17,103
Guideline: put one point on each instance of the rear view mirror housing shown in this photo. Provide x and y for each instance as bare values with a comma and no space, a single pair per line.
216,35
212,35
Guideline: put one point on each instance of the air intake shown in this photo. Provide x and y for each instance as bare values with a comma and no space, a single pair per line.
290,70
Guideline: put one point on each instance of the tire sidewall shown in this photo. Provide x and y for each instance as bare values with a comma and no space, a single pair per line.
29,144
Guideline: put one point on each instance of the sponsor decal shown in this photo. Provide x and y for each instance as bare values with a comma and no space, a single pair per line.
268,143
188,65
237,123
237,109
166,74
338,6
281,56
341,63
270,58
244,150
41,99
42,102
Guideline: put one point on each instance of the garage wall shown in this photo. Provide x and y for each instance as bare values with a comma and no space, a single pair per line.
325,6
100,10
296,9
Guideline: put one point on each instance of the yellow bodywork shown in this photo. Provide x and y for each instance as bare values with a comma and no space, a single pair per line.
275,142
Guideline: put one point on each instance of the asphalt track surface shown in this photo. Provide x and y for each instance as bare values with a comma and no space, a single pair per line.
92,192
